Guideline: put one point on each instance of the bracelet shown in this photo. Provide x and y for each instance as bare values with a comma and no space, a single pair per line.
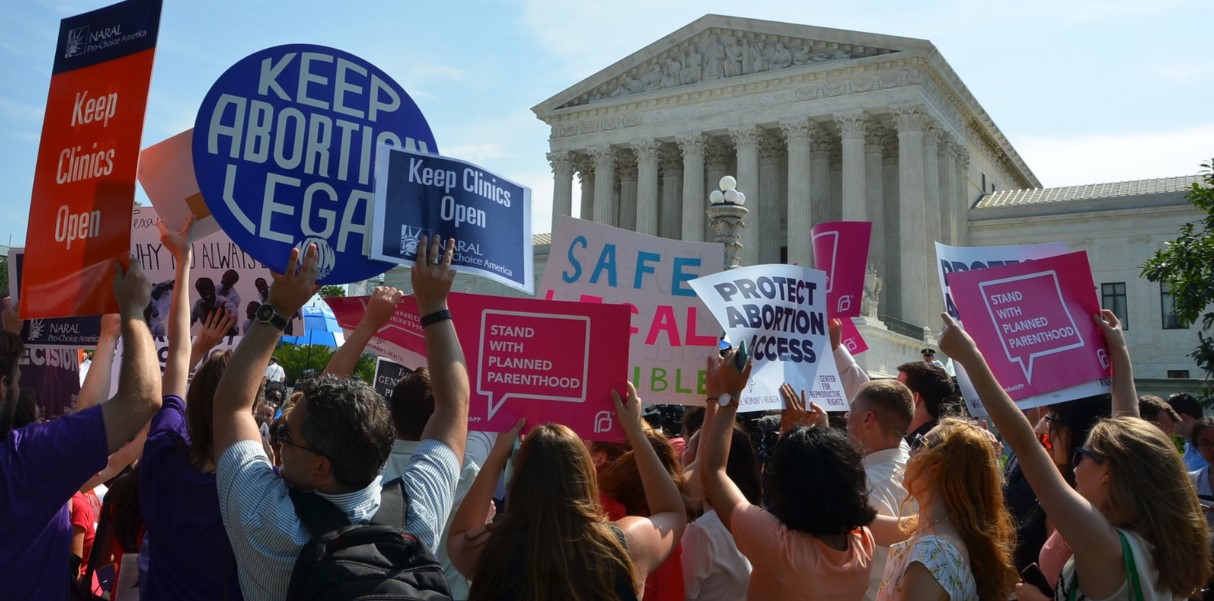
712,398
435,317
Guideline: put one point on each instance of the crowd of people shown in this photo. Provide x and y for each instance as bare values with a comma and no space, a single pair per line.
219,486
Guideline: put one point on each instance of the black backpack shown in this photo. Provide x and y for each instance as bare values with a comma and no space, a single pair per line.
378,560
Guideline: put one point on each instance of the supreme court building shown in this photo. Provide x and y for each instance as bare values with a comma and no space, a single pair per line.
823,125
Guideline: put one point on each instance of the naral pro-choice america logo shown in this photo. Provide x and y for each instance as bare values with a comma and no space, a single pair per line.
76,42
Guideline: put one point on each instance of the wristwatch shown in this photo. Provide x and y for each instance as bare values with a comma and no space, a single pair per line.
267,314
725,399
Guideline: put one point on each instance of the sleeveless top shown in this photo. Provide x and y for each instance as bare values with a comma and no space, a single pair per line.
951,571
1144,564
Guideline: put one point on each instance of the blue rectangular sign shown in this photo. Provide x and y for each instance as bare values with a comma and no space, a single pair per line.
419,194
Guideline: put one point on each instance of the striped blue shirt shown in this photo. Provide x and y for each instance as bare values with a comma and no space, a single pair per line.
266,535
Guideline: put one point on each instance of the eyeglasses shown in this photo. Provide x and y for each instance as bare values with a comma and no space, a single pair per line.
283,434
1081,452
921,442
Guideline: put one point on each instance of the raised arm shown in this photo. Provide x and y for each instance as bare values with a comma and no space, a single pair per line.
138,396
176,366
1125,395
233,420
96,386
720,489
650,539
379,312
468,531
432,278
1097,549
850,373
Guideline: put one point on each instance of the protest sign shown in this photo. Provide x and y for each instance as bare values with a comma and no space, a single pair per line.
1033,323
166,173
850,337
780,312
489,217
283,151
952,259
62,332
672,331
53,375
221,277
841,250
546,361
84,181
400,340
387,374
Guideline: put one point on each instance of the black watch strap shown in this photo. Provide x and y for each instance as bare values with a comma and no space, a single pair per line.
267,314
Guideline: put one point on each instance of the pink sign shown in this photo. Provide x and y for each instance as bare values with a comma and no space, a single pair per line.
841,250
1033,323
850,337
546,361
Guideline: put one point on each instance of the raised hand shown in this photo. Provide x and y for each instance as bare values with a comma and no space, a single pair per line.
431,274
628,410
1110,327
177,241
713,382
835,326
132,289
955,343
795,415
219,322
732,380
292,289
382,305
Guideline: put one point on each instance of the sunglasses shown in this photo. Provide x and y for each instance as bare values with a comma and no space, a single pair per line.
283,434
1081,452
922,443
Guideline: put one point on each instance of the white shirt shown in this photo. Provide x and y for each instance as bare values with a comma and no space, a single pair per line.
713,568
850,373
884,470
275,373
475,452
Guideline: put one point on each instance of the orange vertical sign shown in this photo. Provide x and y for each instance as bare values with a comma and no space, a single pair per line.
84,183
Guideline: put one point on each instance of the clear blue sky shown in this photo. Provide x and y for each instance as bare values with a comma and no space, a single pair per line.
1087,91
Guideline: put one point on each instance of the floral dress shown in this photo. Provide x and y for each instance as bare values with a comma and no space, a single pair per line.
940,557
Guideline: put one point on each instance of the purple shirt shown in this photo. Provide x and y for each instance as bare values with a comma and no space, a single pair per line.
188,552
41,467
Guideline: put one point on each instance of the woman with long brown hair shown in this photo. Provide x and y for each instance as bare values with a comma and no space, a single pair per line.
962,545
554,542
1133,519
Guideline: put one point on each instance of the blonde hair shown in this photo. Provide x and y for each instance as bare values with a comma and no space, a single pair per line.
970,485
1151,494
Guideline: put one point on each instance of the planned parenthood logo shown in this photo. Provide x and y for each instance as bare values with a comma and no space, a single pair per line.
76,42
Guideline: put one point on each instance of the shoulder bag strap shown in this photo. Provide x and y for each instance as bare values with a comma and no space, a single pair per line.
1131,572
393,505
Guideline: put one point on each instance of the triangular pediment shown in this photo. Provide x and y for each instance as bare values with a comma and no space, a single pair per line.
719,49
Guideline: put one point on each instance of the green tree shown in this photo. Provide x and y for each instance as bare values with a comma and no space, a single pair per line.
331,291
1187,264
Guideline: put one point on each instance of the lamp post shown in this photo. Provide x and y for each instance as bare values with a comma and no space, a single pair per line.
727,218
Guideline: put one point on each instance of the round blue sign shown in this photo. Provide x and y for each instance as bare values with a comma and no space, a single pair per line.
284,149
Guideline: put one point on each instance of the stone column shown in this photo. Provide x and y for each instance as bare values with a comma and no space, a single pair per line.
604,184
874,190
962,165
835,151
912,121
562,185
746,141
585,170
670,210
717,156
855,198
948,192
694,197
627,168
819,176
890,300
800,219
771,156
931,186
646,216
